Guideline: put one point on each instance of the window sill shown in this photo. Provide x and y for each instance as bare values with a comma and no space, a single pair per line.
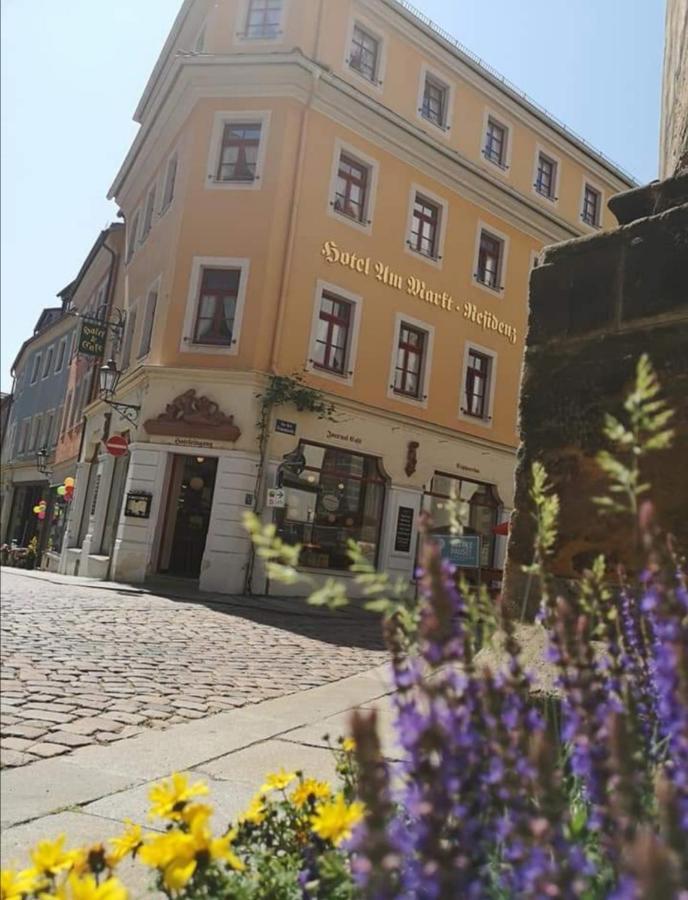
374,83
548,197
215,184
189,346
419,402
435,261
365,225
493,291
482,421
442,130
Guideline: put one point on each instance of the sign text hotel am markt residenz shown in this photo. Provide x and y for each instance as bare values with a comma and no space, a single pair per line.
416,287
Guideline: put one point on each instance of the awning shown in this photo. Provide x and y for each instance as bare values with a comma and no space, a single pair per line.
502,528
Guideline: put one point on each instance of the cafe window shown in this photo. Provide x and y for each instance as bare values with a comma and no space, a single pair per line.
337,497
471,507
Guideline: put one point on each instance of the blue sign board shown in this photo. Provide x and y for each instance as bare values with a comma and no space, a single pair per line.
460,550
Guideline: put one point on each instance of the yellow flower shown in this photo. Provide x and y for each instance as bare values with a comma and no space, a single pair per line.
348,745
255,812
13,885
128,842
169,797
277,781
87,888
319,790
177,853
333,821
50,857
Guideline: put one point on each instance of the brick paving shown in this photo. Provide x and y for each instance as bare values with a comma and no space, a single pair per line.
86,665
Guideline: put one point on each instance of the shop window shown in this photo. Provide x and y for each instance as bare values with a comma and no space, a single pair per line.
239,152
490,257
410,361
352,189
333,335
425,224
495,143
546,176
337,497
217,304
470,507
170,179
364,56
263,19
435,103
477,384
592,203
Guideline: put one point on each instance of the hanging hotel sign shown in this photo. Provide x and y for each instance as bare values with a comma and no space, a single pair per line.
417,288
92,338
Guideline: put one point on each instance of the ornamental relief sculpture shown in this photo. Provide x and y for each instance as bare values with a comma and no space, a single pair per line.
191,416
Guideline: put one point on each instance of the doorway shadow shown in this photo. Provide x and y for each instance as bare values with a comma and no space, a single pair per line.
351,626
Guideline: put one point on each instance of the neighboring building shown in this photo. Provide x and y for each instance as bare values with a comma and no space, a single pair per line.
5,404
673,145
335,187
40,376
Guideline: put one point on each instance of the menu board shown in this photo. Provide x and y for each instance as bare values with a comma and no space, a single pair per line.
404,530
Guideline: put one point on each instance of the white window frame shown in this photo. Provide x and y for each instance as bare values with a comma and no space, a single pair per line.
240,36
199,263
340,146
48,427
545,151
422,401
36,425
222,118
381,38
36,370
148,205
487,420
427,71
499,291
352,350
24,436
48,364
164,206
504,170
444,216
133,235
153,289
589,182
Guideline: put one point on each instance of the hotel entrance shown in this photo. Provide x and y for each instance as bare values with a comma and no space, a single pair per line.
190,500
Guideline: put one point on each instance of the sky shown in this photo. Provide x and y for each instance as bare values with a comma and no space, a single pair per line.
73,71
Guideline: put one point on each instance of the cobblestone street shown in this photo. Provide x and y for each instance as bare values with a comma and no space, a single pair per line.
84,665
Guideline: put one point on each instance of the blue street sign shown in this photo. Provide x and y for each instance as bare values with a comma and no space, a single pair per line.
460,550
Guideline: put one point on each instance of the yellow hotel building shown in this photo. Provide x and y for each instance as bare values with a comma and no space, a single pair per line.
337,188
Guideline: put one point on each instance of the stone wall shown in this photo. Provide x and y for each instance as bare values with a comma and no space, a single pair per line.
673,152
597,304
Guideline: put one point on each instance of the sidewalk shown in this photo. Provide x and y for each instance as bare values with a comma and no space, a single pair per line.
88,794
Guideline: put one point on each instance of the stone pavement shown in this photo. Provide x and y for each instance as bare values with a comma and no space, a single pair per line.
89,793
84,662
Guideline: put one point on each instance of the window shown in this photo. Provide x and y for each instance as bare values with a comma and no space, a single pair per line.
351,197
477,384
495,143
239,151
364,57
68,418
35,432
48,361
129,336
147,330
425,224
408,371
36,368
61,350
336,497
148,215
133,232
435,101
48,435
216,310
546,176
170,178
592,204
490,252
263,19
24,436
475,505
332,341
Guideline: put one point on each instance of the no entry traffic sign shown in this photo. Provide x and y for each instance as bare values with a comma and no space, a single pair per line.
117,445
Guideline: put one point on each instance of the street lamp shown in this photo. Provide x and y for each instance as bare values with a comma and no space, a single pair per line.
42,461
108,379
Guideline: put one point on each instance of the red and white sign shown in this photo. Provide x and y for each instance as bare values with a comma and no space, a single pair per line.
117,445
